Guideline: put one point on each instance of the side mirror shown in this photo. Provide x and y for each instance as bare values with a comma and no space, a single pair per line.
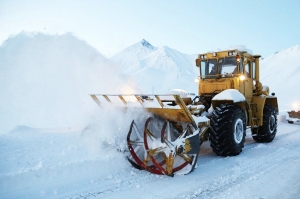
197,62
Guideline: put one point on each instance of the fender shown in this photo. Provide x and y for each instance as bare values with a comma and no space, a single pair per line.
233,96
259,104
228,96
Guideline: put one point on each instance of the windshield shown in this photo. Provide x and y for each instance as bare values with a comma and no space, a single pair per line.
224,66
228,65
209,68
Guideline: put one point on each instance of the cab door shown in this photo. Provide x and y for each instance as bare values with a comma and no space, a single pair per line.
248,82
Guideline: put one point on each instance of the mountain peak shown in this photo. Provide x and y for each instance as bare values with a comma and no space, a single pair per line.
146,44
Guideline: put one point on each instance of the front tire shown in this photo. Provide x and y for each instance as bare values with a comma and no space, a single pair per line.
266,132
227,130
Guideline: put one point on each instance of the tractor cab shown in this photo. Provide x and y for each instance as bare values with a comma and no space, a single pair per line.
222,65
232,69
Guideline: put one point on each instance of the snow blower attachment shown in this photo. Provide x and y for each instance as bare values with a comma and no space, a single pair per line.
170,141
231,98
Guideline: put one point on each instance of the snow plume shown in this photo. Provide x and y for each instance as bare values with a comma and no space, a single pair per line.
46,79
107,130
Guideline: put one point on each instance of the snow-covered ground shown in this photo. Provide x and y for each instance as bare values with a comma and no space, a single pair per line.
55,142
69,163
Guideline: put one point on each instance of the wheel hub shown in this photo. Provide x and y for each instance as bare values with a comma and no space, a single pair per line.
238,131
272,123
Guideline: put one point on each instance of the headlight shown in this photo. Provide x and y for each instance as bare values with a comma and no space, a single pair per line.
214,54
205,56
242,77
238,59
230,53
296,105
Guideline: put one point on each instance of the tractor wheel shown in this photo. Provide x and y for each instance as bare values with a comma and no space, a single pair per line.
291,122
227,130
267,131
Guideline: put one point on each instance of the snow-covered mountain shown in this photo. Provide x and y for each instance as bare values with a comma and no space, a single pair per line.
129,58
169,60
171,68
281,72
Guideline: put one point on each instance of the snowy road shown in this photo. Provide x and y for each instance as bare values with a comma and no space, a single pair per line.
48,164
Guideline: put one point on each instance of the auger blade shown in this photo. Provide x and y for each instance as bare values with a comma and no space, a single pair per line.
165,151
139,158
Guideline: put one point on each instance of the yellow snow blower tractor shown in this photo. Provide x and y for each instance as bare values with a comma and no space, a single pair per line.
231,98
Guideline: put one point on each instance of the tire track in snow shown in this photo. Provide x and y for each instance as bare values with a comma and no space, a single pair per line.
114,184
246,148
247,169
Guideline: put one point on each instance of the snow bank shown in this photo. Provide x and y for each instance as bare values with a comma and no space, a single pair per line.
46,79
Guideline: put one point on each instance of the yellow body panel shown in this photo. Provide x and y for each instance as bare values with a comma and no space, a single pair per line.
209,86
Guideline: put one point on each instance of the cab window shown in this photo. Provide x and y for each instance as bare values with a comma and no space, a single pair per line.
253,70
208,68
247,69
228,65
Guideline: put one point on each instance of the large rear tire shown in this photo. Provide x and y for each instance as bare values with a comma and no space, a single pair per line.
266,132
227,130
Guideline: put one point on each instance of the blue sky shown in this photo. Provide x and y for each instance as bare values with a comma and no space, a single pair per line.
190,27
